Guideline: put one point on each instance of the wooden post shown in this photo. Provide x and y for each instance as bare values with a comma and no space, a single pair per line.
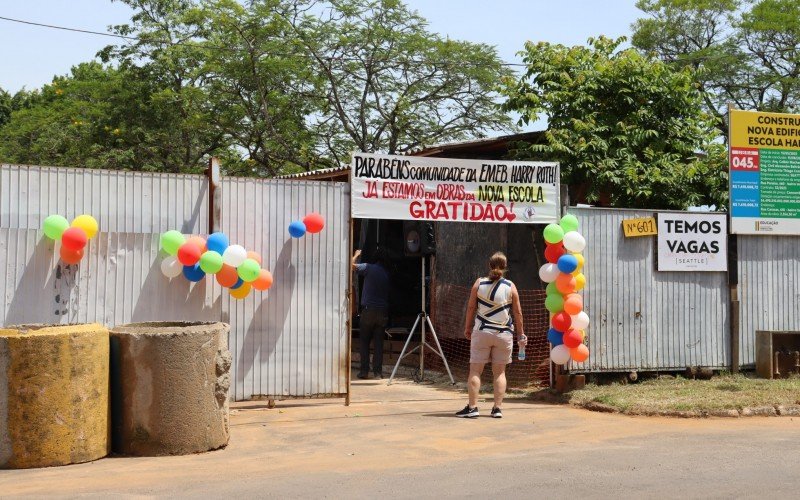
733,290
214,195
349,293
733,269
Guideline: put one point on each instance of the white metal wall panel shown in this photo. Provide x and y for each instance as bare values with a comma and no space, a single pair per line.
642,319
769,277
292,339
118,281
124,202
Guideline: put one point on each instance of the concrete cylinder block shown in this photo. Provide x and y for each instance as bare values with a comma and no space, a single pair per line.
54,402
169,384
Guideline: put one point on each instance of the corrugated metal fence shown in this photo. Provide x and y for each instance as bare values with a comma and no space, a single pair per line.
123,202
642,319
648,320
769,288
289,341
292,340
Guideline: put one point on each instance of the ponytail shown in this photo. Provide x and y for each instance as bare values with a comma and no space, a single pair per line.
497,266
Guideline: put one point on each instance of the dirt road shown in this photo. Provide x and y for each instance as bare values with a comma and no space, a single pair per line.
402,441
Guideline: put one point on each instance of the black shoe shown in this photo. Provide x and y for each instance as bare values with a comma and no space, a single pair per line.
377,375
468,412
362,376
497,413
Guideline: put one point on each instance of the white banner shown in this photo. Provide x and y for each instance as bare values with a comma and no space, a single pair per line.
442,189
692,242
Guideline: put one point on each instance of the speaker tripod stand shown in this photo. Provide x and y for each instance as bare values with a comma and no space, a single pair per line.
422,321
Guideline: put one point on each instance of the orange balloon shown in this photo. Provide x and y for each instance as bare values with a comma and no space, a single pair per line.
227,276
573,304
565,283
71,256
264,280
254,255
198,241
580,353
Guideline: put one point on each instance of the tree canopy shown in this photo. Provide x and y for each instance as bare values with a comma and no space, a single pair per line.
391,85
743,52
271,86
627,129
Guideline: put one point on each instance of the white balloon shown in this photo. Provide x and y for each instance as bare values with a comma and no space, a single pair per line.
171,267
560,354
549,272
234,255
580,321
574,242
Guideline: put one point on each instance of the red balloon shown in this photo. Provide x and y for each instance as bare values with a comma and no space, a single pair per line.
314,222
554,251
70,256
189,253
572,338
561,321
74,239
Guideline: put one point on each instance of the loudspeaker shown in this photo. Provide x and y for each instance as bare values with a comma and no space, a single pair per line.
411,239
418,238
428,238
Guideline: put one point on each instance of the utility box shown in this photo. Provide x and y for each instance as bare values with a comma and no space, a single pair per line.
777,353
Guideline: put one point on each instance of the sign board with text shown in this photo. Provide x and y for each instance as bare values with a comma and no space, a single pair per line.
645,226
764,173
692,242
441,189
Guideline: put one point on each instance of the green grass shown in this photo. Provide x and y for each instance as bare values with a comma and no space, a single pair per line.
728,392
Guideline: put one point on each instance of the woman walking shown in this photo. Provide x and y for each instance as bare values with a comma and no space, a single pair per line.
494,316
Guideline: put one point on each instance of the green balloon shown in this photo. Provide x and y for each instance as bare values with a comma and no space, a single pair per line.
569,223
249,270
551,289
211,262
171,241
54,226
554,303
553,233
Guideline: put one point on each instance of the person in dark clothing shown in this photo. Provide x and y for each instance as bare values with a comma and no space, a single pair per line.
374,310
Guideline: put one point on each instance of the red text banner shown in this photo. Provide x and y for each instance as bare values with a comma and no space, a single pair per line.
441,189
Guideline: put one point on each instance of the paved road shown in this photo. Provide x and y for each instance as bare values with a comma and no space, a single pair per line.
402,442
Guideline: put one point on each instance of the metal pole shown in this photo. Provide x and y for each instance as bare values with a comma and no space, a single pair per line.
422,340
405,346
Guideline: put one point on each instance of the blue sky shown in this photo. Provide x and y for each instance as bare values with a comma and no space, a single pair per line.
30,56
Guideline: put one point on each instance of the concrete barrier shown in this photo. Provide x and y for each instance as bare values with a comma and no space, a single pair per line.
169,388
54,406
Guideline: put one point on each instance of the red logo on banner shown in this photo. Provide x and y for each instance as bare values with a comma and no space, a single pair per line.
745,159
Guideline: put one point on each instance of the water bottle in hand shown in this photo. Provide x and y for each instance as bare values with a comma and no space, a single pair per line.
521,353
